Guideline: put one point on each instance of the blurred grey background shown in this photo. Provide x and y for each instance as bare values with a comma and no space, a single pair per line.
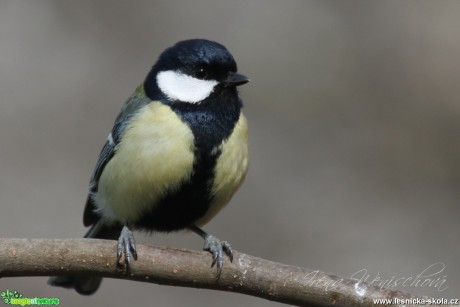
354,116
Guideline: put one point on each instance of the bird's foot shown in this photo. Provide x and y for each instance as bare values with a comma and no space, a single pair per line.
126,249
217,248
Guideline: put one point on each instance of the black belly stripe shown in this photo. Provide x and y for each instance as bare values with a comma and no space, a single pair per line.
211,122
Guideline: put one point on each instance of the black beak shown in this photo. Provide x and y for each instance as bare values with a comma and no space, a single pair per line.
235,79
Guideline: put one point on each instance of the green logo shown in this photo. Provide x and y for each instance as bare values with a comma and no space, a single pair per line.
15,298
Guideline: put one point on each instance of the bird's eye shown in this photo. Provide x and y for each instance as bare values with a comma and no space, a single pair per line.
200,73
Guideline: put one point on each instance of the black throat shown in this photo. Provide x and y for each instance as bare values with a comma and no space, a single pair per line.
212,121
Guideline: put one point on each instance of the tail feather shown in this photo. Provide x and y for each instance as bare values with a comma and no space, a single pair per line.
87,285
83,285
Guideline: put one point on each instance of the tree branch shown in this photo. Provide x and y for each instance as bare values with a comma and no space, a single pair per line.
179,267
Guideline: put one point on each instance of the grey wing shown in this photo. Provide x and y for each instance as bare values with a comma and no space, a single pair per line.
107,152
134,103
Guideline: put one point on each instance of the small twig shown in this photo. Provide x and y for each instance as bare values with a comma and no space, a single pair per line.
179,267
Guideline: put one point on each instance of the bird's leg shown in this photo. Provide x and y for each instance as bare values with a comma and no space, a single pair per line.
126,250
216,247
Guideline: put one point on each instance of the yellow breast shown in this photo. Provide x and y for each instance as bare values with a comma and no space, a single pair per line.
230,170
154,156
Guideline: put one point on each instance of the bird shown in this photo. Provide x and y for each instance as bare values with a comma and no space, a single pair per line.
177,153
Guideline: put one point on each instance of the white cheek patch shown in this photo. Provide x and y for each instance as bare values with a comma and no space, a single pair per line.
179,86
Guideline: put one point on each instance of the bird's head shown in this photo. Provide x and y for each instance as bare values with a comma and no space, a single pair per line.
191,71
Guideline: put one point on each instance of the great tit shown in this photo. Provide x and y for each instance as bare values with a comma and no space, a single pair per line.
176,154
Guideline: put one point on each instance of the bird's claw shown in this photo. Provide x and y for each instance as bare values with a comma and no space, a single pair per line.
217,248
126,248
